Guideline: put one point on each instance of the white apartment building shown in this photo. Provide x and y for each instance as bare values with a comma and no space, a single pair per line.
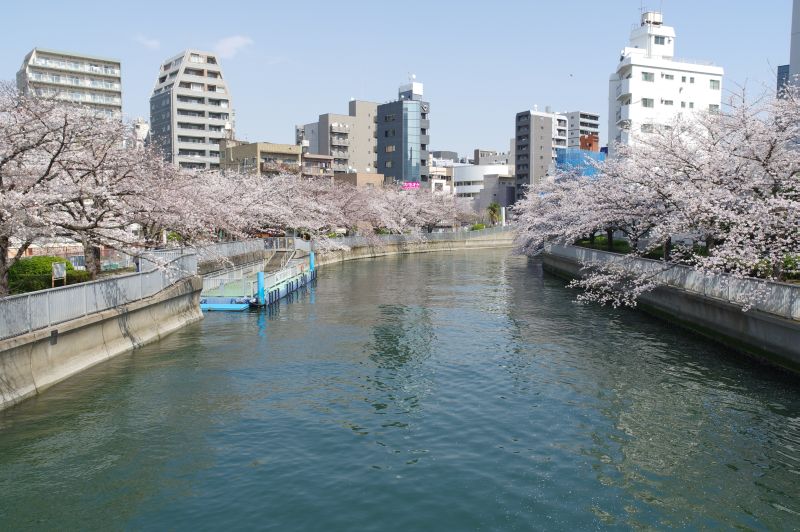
581,124
94,82
794,52
190,110
651,87
470,180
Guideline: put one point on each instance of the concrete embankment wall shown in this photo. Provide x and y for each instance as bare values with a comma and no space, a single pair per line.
498,240
762,335
32,362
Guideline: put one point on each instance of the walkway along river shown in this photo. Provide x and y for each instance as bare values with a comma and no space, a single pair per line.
460,390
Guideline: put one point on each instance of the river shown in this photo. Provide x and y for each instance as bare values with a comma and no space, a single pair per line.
439,391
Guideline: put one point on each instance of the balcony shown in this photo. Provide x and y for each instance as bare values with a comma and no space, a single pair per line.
340,128
75,66
339,141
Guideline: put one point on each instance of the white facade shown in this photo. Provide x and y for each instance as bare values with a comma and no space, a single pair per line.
191,110
650,88
86,80
468,180
581,123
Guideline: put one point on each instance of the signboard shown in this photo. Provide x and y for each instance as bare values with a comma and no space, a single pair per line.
59,272
410,185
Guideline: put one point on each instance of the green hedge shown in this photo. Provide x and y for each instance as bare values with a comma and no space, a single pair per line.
478,227
35,273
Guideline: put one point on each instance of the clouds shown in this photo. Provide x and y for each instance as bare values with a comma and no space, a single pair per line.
148,42
228,47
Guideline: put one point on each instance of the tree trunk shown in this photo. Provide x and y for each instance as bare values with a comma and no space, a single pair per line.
667,248
91,255
4,265
591,238
610,237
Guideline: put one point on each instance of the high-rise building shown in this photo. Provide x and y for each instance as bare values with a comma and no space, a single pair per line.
404,135
90,81
190,110
650,88
539,136
580,124
783,79
349,139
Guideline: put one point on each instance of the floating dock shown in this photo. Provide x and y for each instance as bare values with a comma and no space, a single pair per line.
253,285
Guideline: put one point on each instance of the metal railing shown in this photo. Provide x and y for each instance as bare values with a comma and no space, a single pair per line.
37,310
780,299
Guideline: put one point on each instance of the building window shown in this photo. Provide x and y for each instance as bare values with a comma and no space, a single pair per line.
683,105
691,80
390,148
648,102
647,128
668,102
713,108
648,76
714,84
388,164
683,79
660,39
669,77
691,105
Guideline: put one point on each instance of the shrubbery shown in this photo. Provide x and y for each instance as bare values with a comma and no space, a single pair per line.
35,273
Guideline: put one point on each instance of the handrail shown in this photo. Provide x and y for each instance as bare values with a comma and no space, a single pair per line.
25,313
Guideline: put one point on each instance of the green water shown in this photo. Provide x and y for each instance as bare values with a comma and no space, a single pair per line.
462,391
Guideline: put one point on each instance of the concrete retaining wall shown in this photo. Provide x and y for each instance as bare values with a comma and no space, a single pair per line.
498,240
768,337
32,362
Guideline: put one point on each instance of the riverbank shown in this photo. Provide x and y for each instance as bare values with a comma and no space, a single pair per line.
705,305
398,244
32,362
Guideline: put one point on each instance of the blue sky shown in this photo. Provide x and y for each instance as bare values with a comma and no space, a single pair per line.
481,62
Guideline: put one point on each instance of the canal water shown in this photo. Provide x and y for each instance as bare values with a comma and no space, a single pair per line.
442,391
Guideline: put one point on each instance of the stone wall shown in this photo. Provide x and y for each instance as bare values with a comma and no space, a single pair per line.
768,337
496,240
32,362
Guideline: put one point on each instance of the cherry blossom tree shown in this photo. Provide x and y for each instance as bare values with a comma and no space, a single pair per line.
714,191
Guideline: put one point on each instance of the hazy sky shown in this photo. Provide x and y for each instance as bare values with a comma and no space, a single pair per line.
481,62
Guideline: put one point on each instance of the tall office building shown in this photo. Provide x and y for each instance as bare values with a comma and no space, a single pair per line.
404,135
349,139
783,79
650,88
581,124
190,110
94,82
539,136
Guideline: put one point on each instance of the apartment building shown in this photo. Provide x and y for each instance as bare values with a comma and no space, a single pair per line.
191,110
260,158
539,136
650,87
581,124
403,131
349,139
93,82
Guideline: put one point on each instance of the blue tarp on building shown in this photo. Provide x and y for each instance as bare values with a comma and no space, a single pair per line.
580,161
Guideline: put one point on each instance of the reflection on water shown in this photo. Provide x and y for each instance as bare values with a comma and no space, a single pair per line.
439,391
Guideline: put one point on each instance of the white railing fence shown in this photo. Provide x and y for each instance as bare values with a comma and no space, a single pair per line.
780,299
36,310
